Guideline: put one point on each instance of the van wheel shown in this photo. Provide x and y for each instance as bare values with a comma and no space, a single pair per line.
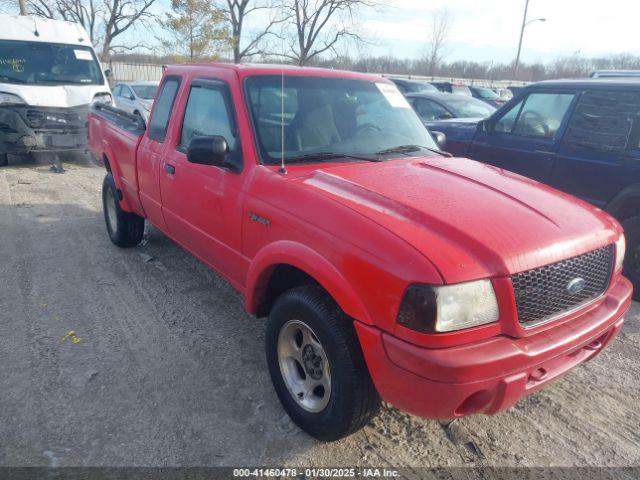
4,159
631,268
316,365
125,229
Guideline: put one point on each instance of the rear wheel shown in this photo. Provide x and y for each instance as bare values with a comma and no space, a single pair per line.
632,258
125,229
316,365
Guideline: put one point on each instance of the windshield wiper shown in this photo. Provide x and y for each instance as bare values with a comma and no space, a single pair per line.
321,156
12,79
406,149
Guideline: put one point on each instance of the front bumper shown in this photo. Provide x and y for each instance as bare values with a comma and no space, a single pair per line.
490,375
25,128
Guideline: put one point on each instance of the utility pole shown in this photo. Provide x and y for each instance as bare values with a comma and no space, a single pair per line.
524,24
23,7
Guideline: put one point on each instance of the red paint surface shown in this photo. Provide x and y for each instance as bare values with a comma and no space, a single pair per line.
365,231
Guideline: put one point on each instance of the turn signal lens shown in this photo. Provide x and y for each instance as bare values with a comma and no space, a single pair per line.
620,251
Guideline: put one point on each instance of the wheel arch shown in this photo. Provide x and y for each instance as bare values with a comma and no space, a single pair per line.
278,259
626,203
111,166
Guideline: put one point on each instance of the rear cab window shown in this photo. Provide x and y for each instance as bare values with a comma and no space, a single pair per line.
162,109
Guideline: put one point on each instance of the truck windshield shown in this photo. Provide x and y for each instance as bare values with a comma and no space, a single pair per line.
320,115
39,63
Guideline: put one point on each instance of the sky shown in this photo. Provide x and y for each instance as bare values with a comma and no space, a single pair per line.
486,30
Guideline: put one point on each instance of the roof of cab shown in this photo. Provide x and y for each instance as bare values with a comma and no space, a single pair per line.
248,69
36,29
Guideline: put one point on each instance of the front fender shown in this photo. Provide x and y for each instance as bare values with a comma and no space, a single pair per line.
312,263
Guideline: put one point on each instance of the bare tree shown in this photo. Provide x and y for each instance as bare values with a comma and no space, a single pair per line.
104,20
320,25
237,12
440,26
118,17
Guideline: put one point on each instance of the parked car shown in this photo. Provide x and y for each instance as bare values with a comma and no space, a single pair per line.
448,87
487,95
412,86
136,97
580,136
443,106
386,270
49,74
515,90
504,93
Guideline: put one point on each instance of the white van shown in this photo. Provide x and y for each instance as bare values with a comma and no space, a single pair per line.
49,75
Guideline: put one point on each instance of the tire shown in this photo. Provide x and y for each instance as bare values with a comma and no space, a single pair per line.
631,268
351,400
4,159
125,229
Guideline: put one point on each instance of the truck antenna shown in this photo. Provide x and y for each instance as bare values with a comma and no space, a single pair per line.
283,169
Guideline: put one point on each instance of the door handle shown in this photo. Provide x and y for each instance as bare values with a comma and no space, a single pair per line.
170,169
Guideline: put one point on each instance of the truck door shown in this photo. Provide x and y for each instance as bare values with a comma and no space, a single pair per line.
202,204
599,154
525,137
151,149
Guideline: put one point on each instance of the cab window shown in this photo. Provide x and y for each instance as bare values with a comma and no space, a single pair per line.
605,120
429,110
538,115
208,112
162,109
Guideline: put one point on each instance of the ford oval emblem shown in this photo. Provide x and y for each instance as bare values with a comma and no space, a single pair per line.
576,285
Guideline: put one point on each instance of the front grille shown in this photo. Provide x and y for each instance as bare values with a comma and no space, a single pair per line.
543,293
63,120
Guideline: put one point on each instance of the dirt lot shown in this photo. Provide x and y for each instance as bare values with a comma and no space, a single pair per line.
169,369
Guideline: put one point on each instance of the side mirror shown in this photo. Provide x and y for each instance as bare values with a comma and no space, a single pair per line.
208,150
440,139
484,126
107,72
131,97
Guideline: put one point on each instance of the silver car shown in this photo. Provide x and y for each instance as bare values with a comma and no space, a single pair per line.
136,97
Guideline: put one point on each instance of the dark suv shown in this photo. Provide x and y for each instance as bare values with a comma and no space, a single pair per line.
580,136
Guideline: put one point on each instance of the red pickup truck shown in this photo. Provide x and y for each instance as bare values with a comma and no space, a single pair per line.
386,269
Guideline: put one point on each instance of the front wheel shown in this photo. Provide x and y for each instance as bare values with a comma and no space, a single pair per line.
632,257
316,365
125,229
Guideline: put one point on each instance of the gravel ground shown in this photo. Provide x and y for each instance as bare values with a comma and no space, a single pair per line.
169,370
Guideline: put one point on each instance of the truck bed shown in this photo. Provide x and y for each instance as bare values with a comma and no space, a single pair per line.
116,134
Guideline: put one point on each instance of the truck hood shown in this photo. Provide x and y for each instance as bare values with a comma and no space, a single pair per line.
471,220
55,95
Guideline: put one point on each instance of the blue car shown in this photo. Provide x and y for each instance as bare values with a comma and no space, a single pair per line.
580,136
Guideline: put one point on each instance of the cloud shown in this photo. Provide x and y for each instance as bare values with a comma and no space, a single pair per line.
588,26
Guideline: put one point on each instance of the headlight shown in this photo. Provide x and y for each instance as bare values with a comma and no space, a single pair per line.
430,309
7,98
621,247
103,98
